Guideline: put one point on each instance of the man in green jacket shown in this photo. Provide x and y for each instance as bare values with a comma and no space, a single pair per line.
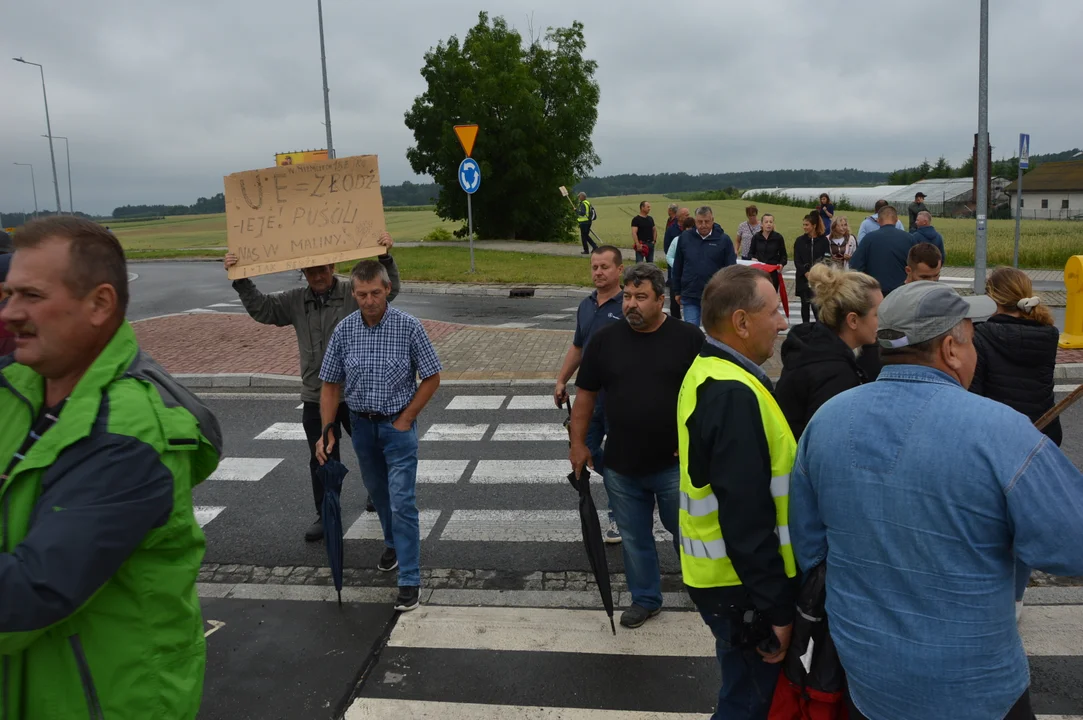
99,451
314,311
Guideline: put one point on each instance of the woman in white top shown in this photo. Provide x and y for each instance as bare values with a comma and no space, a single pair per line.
746,231
842,243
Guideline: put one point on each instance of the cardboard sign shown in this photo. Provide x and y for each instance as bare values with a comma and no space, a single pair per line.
296,216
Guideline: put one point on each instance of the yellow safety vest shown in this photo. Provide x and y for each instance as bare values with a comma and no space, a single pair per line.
704,562
585,217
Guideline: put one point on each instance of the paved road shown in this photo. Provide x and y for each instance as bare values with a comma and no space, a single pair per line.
493,499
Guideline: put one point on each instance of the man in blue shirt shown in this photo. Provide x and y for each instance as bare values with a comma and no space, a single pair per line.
883,254
374,358
701,253
925,232
872,222
600,308
920,496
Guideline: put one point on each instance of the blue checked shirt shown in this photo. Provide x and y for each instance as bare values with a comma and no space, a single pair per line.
379,364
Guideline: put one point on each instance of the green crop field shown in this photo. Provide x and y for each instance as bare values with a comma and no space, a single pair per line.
1045,244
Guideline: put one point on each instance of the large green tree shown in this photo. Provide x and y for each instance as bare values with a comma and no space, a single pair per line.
536,105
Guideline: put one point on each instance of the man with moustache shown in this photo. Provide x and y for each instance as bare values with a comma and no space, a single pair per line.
639,364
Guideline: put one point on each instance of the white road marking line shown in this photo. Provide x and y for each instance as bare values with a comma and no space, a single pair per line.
216,625
550,316
225,305
1064,388
206,513
476,402
244,469
238,301
441,471
300,407
455,432
498,472
378,709
283,431
521,432
367,525
533,402
200,310
515,325
671,634
515,526
571,309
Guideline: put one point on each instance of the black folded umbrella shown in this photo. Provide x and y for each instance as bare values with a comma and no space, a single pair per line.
592,535
331,474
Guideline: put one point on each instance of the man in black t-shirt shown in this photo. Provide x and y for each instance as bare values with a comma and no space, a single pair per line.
640,364
644,233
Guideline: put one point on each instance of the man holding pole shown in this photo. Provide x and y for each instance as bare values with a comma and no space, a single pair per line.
585,216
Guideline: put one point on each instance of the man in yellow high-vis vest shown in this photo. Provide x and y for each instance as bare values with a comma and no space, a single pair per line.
585,215
736,452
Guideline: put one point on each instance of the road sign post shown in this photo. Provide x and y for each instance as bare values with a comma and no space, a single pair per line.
469,178
1024,163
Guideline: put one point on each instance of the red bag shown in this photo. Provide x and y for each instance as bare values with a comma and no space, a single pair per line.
794,703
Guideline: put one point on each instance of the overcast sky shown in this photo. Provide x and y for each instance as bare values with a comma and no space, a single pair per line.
161,99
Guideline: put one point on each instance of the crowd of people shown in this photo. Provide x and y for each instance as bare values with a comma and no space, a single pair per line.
896,450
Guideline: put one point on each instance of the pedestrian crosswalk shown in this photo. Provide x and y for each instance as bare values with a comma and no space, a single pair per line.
568,317
541,663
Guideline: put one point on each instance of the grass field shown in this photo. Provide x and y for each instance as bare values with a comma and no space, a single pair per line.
1045,244
452,264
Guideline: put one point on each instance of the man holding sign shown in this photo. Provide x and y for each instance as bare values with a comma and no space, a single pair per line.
314,312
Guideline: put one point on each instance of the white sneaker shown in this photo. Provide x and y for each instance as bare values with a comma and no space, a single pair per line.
612,534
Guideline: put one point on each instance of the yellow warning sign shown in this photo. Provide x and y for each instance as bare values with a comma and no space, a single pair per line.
467,134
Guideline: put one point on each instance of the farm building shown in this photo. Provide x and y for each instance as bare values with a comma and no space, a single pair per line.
947,197
862,197
1052,191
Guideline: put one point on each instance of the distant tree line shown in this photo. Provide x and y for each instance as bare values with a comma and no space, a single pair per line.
664,183
15,219
1005,168
202,206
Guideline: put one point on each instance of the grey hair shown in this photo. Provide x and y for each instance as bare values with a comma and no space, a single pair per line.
731,289
926,215
369,270
582,196
923,352
704,211
674,207
646,272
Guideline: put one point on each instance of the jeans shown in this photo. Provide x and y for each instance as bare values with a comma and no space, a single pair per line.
1022,577
748,683
595,436
584,235
388,460
1021,710
691,312
632,500
649,257
313,425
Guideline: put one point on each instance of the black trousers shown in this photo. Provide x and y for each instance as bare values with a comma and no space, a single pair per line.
310,419
674,306
808,308
584,235
1020,711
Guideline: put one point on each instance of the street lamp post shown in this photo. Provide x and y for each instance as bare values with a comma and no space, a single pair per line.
67,153
33,185
326,90
48,129
982,210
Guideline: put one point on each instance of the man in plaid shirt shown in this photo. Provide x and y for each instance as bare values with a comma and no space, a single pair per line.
374,357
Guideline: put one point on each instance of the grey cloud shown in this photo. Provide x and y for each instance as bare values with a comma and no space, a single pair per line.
160,99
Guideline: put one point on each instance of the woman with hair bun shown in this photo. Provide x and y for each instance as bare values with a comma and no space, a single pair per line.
1017,356
819,360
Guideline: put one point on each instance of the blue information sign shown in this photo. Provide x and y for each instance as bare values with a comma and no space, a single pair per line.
1024,150
469,176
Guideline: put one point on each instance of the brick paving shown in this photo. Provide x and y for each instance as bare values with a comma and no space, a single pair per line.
233,343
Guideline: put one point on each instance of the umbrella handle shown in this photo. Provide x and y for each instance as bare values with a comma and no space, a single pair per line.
328,428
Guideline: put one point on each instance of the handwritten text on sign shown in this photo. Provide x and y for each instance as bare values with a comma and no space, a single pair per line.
296,216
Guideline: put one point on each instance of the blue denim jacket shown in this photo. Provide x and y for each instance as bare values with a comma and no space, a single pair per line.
919,494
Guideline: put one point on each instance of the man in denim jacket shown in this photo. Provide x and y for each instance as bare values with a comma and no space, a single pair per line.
920,495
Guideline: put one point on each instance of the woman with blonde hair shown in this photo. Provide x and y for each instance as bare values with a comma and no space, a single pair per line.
820,360
1017,356
843,245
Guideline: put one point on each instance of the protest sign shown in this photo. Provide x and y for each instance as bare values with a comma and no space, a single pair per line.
296,216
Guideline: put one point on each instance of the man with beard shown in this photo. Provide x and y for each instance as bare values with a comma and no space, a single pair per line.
640,365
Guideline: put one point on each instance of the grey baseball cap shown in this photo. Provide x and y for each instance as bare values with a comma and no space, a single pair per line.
924,310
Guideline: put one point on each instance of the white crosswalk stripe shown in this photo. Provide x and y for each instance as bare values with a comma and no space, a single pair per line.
244,469
367,526
455,432
283,431
519,432
205,513
441,471
532,402
551,316
439,660
476,402
534,472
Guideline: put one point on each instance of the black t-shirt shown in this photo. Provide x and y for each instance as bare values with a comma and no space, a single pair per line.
644,228
641,374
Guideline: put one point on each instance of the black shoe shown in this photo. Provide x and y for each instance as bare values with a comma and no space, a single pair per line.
585,252
409,598
636,615
388,561
315,532
369,507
